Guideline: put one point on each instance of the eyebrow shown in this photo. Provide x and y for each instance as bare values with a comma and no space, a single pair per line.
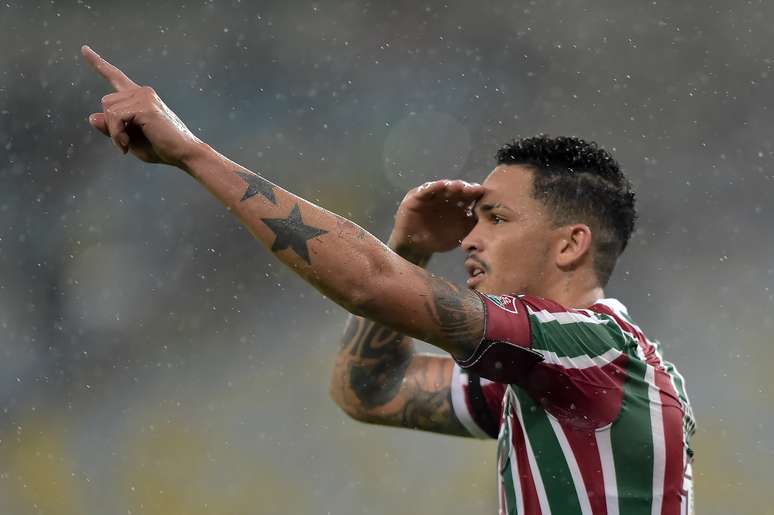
485,208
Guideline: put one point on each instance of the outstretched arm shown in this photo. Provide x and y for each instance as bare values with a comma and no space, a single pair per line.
340,259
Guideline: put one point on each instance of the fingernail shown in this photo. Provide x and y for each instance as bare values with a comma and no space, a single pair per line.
124,140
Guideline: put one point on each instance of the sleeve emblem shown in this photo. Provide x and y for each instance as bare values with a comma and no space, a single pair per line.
504,302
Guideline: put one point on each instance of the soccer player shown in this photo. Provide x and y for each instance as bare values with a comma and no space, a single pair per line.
590,418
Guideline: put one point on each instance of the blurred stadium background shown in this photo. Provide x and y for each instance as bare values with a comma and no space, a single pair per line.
156,360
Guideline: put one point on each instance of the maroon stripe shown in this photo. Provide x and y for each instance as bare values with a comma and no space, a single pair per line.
587,398
528,489
540,304
649,350
584,447
493,395
672,415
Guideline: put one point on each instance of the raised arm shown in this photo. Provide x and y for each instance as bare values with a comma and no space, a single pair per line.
337,257
378,377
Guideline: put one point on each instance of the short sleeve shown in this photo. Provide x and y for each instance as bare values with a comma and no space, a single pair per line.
477,403
505,353
571,361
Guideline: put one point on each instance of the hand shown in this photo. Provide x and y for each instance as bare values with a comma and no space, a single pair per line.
136,119
435,217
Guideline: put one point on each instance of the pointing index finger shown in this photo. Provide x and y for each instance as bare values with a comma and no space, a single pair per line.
113,75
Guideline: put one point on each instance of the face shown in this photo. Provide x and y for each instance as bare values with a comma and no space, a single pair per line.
509,248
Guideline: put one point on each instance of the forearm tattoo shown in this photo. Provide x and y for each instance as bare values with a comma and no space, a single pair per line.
379,359
255,185
291,232
376,361
459,314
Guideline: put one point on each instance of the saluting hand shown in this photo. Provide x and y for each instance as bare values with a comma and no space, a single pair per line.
136,119
435,217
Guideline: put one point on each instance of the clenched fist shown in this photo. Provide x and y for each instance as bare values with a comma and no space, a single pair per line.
136,119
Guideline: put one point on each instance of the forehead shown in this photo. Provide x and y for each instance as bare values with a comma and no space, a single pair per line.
510,185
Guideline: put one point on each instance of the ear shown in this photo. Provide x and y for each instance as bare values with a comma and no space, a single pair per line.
573,246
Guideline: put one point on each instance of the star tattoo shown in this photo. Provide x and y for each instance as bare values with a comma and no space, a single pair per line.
292,233
255,185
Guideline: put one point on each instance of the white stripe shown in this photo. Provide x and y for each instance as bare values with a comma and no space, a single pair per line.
500,484
579,362
515,470
688,485
605,446
572,463
562,318
460,406
565,317
614,304
659,447
538,479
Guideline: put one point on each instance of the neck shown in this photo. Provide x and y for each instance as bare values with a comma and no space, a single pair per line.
578,298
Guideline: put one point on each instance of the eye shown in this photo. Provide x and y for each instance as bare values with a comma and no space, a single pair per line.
497,220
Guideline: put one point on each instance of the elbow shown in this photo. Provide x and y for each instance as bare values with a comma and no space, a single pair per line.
339,392
351,409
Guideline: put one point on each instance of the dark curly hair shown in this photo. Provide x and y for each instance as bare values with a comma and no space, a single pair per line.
579,182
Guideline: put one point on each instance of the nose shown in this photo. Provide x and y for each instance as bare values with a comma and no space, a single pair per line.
472,241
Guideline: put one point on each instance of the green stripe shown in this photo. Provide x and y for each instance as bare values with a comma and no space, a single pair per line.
557,479
632,442
689,424
577,339
678,381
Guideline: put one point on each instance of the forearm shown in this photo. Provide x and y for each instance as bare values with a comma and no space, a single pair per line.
372,359
379,379
332,253
370,366
340,259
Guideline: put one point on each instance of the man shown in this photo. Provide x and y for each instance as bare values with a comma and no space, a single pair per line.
590,418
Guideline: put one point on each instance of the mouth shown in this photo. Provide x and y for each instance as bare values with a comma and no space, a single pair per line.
476,272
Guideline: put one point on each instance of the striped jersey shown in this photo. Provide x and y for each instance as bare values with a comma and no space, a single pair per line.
590,419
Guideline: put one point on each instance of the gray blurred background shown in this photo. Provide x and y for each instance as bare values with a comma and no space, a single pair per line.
157,360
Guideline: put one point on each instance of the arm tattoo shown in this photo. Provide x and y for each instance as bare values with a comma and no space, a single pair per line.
431,410
459,314
255,185
292,233
378,361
